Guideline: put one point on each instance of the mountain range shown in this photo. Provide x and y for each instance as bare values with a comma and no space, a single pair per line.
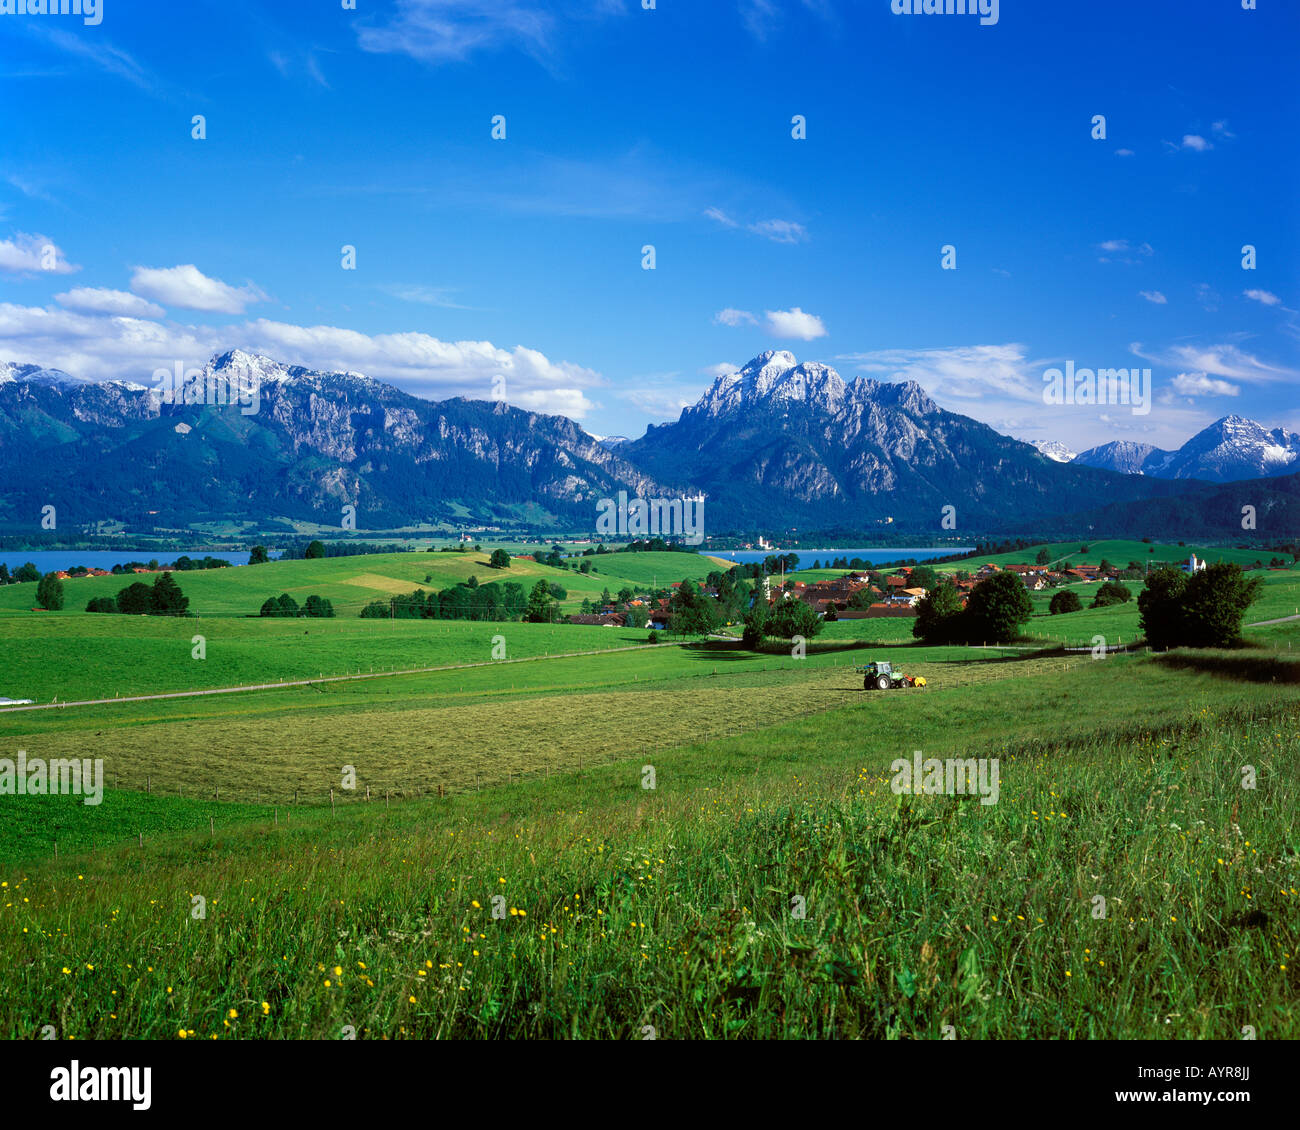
1229,449
775,445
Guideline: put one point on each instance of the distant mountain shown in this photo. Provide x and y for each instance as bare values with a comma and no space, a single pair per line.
1055,450
780,443
1123,456
317,442
1229,450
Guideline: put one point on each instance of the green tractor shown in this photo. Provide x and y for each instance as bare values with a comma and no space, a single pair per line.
883,677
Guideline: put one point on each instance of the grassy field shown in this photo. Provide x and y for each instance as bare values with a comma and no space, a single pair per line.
672,907
353,582
771,883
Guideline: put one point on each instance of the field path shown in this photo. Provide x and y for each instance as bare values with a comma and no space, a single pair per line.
1279,620
327,679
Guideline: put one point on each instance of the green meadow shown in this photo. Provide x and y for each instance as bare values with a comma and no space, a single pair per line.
353,582
476,851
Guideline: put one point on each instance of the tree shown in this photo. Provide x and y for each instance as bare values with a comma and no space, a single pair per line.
49,593
998,607
1105,567
314,550
270,607
793,618
500,559
923,577
102,604
694,614
1217,599
166,599
1043,558
134,600
625,594
1204,610
27,572
541,606
755,627
4,574
939,615
1112,592
1065,601
830,615
288,606
258,555
861,600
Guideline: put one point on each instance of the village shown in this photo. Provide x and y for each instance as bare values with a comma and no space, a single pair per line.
863,594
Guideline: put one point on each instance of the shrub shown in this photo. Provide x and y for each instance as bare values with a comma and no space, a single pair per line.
1112,592
49,593
1065,601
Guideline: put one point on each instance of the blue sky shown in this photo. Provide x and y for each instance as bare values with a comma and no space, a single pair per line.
522,258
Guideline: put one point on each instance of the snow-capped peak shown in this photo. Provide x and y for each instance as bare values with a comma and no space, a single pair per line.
1054,449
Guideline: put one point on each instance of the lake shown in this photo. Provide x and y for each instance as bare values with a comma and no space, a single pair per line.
808,556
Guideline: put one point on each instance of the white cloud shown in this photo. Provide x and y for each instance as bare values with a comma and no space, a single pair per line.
1130,254
660,404
100,53
1002,386
1266,297
190,289
730,317
722,369
1123,153
964,373
780,231
1195,142
778,323
795,323
1224,360
759,17
31,254
424,295
1199,384
102,347
1154,296
442,31
101,300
